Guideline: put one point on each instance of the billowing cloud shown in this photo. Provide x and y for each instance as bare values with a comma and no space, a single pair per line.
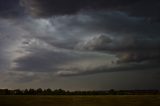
134,50
69,38
82,39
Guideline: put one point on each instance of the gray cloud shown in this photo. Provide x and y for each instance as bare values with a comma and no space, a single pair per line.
141,8
40,8
85,41
42,60
47,58
107,68
134,50
69,38
11,9
146,8
133,41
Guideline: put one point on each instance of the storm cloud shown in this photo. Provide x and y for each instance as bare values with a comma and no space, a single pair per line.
141,8
11,9
128,39
45,41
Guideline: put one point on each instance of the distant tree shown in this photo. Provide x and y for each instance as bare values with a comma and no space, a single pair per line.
59,92
32,92
112,92
49,91
18,92
26,92
39,91
4,92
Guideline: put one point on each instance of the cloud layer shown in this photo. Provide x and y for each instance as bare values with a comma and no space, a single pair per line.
141,8
115,35
49,40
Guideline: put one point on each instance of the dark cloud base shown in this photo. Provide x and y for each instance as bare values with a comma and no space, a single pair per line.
142,8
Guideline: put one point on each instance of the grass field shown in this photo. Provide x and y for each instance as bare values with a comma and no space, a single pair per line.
141,100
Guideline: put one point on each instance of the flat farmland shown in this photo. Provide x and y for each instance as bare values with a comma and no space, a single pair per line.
117,100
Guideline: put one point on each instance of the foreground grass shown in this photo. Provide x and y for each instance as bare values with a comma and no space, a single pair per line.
142,100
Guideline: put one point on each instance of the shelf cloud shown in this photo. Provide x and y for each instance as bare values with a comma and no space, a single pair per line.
45,41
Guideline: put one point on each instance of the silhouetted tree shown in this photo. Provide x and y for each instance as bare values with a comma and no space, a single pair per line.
26,92
48,91
39,91
32,92
59,92
112,92
18,92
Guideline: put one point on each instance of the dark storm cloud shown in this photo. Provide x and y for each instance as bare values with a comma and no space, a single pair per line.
127,50
129,39
59,7
10,9
144,8
132,39
78,38
52,59
42,60
46,8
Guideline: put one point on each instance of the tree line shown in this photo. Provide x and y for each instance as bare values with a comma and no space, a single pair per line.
48,91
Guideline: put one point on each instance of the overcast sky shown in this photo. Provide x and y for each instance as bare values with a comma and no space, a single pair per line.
80,44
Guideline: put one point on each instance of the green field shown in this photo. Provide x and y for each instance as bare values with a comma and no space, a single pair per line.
140,100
